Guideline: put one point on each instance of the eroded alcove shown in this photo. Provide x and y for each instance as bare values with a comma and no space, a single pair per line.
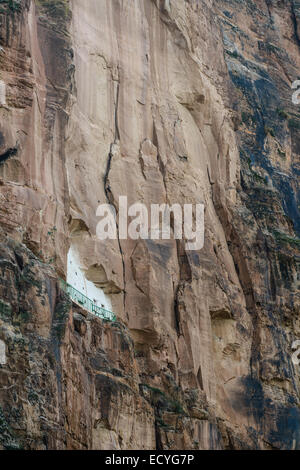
80,277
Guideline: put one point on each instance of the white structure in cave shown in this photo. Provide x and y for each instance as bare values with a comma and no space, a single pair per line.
2,353
2,93
77,279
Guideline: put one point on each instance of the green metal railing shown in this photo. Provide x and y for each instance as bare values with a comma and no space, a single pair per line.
86,303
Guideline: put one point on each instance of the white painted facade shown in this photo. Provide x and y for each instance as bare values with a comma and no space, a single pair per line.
2,93
77,279
2,353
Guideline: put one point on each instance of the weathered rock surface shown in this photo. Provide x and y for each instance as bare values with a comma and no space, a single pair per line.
164,102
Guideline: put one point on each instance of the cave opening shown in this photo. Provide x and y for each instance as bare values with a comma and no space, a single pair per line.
78,279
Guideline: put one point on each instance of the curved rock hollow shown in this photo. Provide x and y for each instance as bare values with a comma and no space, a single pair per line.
165,102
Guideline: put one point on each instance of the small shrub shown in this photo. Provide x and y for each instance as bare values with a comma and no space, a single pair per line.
282,113
294,123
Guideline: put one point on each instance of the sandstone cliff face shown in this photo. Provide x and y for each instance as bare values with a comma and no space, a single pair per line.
165,101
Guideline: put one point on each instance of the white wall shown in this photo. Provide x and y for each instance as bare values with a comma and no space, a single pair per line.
76,278
2,93
2,352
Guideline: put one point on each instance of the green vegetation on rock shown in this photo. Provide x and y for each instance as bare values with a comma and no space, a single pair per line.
294,123
6,436
283,238
55,8
13,5
160,400
5,309
282,113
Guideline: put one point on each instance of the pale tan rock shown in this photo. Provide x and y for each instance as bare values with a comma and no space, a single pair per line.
156,101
